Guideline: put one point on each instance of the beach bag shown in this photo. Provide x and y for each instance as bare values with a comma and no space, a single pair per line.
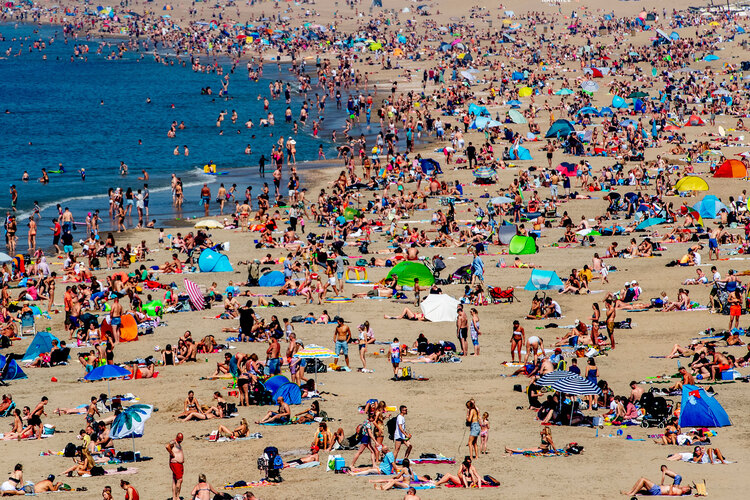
97,470
391,426
315,365
331,464
298,319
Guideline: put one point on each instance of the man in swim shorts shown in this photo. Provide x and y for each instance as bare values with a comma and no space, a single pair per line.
341,337
176,464
645,487
462,329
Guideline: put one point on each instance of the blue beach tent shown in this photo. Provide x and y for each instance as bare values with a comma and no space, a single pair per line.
543,280
279,385
701,410
211,261
520,153
42,342
560,128
709,207
619,103
273,278
14,371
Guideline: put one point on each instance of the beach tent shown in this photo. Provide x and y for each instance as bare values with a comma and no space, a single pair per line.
543,280
733,169
568,169
439,307
478,110
694,121
272,278
520,153
709,207
619,103
13,372
560,128
42,342
606,111
506,233
522,245
408,270
691,183
211,261
525,92
516,117
429,165
128,328
279,385
698,409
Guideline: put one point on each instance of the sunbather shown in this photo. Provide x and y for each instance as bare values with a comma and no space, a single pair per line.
466,478
240,431
387,465
281,416
546,446
645,487
700,455
401,480
408,314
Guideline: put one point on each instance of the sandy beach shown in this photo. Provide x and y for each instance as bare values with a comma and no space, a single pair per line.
610,462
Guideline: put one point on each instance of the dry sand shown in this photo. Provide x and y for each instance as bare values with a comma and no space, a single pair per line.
436,407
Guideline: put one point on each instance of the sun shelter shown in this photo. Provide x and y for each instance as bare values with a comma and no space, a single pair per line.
408,270
699,409
691,183
506,233
732,169
279,385
439,307
561,128
42,342
694,121
543,280
709,207
12,371
211,261
272,278
522,245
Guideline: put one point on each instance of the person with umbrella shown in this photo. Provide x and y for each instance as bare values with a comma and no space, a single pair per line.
176,464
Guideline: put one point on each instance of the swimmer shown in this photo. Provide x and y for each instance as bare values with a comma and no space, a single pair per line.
144,177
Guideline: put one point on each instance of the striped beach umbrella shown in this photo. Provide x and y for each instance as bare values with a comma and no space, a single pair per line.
548,379
313,351
576,385
195,295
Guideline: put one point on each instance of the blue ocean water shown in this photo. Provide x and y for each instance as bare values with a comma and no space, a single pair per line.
91,114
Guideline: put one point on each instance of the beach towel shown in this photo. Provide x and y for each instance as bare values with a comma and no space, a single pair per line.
303,466
286,423
439,460
251,484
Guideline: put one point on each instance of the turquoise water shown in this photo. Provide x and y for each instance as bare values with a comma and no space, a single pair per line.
91,114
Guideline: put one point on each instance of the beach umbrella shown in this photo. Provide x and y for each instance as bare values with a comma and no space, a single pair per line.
564,92
4,257
516,117
695,215
514,102
313,351
440,308
721,92
548,379
131,423
195,295
588,110
637,95
711,57
107,372
468,75
525,92
590,86
576,385
485,173
671,128
209,224
499,200
691,183
588,232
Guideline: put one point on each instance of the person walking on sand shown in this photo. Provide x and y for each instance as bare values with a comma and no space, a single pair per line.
177,465
462,330
400,436
341,337
115,316
610,320
205,198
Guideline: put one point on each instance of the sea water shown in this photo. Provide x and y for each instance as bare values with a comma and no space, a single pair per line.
92,113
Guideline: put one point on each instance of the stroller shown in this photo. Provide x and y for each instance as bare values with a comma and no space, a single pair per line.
658,410
271,463
498,295
462,275
436,266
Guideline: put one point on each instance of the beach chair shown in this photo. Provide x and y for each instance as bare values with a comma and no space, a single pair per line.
9,410
28,323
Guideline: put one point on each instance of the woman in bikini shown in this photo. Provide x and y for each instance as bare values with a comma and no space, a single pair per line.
309,415
239,432
546,445
323,439
203,490
191,405
467,476
517,340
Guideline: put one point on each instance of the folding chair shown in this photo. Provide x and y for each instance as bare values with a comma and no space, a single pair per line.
27,323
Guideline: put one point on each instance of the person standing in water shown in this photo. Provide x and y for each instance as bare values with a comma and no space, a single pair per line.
205,197
13,197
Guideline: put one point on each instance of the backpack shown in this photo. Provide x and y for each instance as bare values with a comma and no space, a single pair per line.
298,319
391,427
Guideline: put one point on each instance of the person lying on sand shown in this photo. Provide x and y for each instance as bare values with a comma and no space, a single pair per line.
546,446
408,314
387,465
48,484
648,488
401,480
700,455
467,476
240,431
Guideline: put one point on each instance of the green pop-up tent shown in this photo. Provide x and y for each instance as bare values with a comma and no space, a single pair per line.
408,270
522,245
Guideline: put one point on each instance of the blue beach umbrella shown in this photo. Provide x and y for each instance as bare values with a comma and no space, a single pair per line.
564,92
652,221
107,372
576,385
484,173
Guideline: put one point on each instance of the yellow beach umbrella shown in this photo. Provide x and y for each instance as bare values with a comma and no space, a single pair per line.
525,92
691,183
